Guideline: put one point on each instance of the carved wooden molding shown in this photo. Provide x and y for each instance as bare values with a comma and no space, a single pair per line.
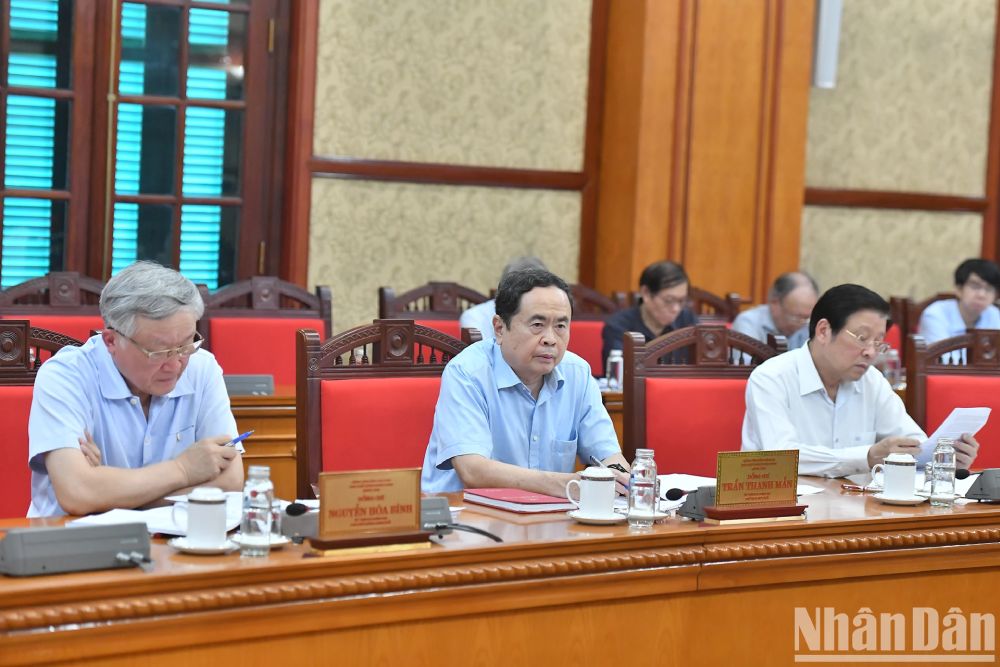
850,544
329,589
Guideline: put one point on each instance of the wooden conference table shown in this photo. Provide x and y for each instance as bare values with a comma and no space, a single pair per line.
555,592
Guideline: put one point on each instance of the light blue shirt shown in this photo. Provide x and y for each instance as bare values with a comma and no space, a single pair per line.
480,316
758,323
942,319
483,408
80,388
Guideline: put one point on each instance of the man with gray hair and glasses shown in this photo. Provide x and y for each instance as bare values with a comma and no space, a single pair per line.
789,303
138,412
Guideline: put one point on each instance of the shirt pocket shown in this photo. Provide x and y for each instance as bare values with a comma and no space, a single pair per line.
563,455
181,438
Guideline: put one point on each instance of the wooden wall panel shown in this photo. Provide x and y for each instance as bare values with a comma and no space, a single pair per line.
704,140
728,100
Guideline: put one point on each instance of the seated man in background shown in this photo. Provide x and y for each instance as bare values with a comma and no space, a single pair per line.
976,285
825,398
789,303
663,307
138,412
480,316
520,411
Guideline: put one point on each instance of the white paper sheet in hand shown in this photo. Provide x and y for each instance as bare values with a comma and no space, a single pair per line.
961,420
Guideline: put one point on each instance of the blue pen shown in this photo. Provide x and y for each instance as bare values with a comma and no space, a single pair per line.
240,438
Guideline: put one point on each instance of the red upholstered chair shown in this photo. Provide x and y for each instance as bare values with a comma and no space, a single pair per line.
62,301
688,412
937,381
366,397
250,325
590,308
436,305
22,350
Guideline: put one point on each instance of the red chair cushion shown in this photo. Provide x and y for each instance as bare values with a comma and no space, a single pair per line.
892,337
74,326
690,420
946,392
377,423
259,345
585,340
15,476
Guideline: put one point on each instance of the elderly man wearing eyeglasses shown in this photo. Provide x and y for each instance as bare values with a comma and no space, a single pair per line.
825,398
789,303
138,412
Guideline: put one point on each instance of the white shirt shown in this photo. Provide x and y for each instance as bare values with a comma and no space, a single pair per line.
479,316
787,407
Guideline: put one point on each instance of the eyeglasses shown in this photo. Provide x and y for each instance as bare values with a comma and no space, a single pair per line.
879,346
673,301
979,286
160,356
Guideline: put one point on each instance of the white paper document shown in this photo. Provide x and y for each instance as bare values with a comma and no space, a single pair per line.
161,519
961,420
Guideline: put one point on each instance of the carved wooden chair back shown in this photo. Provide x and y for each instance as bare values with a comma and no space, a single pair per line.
963,371
23,349
366,397
436,305
62,301
688,412
250,325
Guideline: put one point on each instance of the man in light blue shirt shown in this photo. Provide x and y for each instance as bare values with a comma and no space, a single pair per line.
519,411
976,285
789,303
138,412
480,316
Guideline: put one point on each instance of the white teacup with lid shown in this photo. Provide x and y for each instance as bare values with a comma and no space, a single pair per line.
205,520
899,472
597,493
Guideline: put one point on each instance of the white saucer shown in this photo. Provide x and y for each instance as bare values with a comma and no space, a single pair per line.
596,520
912,500
277,541
181,544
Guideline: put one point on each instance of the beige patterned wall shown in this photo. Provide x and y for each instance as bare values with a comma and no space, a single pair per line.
911,108
895,253
499,83
365,235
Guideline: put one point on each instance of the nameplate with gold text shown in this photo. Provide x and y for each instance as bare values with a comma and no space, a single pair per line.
368,502
757,478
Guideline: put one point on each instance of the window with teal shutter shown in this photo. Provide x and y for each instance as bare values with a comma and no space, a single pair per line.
34,145
157,168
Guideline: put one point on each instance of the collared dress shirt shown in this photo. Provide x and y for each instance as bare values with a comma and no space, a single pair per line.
479,316
758,323
80,388
787,407
483,408
630,319
942,319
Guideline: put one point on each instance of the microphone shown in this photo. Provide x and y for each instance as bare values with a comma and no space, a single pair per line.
961,473
676,494
296,509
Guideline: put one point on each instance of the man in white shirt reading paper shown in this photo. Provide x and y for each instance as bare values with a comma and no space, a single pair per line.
825,398
520,411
